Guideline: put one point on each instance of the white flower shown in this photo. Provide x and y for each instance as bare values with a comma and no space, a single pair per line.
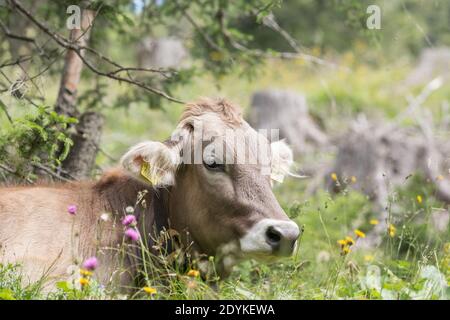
105,217
129,210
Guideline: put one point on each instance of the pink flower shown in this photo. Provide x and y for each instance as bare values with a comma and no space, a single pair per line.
72,209
90,263
132,234
129,220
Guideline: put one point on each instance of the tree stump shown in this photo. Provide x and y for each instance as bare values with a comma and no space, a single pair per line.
375,161
288,112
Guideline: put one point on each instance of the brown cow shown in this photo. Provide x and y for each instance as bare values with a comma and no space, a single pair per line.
226,205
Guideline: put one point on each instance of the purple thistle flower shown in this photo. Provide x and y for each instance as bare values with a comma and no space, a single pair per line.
129,220
90,263
72,209
132,234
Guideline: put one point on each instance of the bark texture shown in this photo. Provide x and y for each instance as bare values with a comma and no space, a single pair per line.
81,159
67,95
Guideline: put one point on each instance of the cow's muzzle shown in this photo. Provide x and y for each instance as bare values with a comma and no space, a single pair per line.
271,237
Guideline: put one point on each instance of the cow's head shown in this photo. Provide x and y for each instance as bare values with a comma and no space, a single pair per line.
220,173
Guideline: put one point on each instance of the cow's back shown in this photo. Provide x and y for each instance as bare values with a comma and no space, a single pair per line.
37,231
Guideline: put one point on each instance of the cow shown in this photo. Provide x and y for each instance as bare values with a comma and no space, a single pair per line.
216,204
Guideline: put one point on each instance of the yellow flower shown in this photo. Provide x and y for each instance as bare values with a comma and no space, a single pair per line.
193,273
419,199
391,230
85,273
374,222
353,179
334,176
349,240
84,281
368,258
440,177
359,233
342,242
150,290
345,250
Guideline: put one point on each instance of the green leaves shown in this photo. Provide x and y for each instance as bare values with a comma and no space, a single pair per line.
6,294
39,138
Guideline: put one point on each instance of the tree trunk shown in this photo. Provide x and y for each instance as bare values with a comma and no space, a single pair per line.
81,158
67,95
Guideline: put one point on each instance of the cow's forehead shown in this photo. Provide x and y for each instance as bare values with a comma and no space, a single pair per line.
242,141
213,125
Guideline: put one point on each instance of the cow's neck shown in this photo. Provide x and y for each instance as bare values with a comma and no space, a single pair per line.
119,190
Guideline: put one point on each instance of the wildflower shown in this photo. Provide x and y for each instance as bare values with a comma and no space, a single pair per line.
84,282
391,230
369,258
129,210
346,244
334,176
129,220
132,234
193,273
419,199
90,263
85,272
150,290
359,233
345,250
440,177
374,222
349,241
104,217
72,209
353,179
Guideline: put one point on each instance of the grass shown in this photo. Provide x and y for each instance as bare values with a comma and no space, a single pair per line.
414,263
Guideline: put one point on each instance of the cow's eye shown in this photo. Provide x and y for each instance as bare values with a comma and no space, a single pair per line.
212,165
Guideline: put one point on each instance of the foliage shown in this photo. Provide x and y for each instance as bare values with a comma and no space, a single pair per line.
318,270
36,139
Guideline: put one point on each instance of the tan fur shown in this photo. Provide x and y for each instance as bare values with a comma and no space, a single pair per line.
228,112
37,231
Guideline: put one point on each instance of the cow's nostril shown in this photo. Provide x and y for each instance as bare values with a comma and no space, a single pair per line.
273,236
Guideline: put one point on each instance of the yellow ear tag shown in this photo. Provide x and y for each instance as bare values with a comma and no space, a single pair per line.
145,172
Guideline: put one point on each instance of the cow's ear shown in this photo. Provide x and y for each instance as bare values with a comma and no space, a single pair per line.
154,162
281,161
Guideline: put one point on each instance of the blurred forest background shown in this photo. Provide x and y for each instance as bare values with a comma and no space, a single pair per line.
367,111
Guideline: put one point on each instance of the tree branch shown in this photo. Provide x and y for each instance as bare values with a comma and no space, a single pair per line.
62,41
